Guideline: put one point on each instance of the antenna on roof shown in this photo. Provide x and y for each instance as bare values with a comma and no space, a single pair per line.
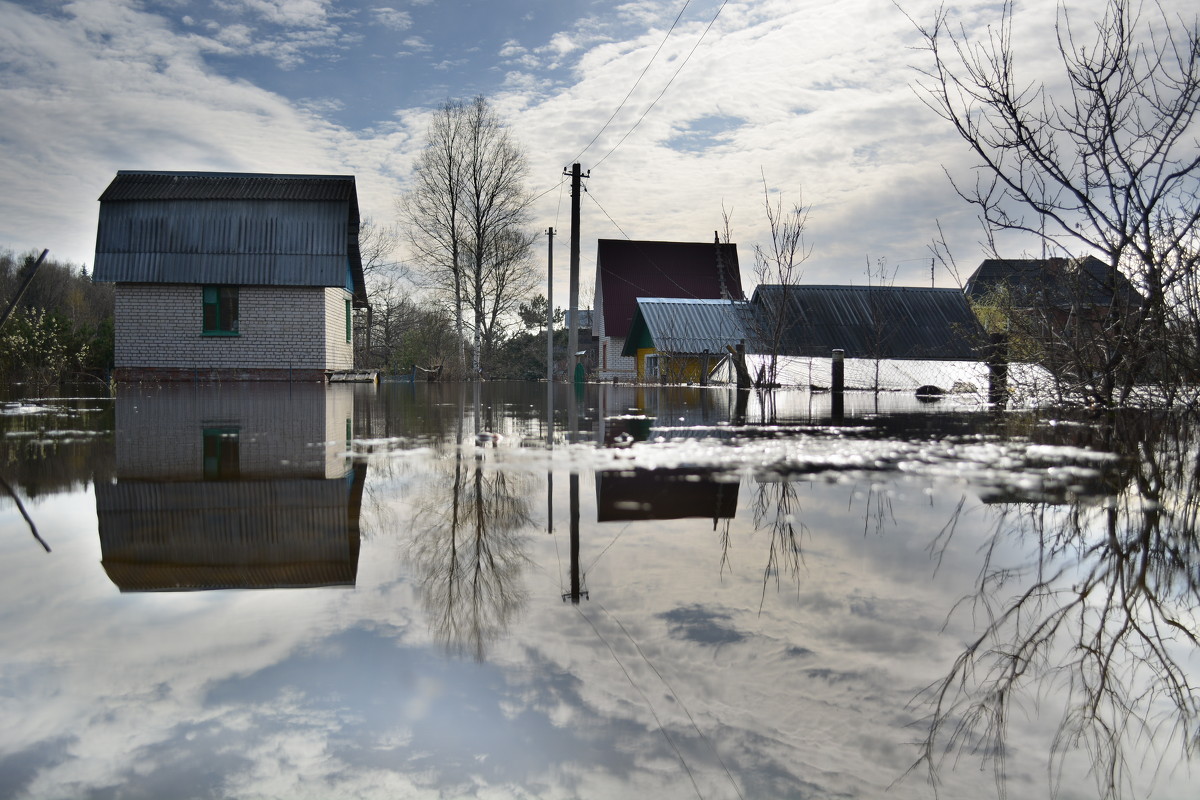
720,266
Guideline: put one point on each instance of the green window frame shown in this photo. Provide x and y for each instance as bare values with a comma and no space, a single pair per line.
220,310
222,454
349,323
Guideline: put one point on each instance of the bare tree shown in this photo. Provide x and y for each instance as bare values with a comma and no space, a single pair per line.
1109,167
779,265
465,218
383,275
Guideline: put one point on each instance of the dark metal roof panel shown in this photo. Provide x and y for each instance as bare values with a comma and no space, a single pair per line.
691,326
247,229
629,269
251,269
137,185
885,322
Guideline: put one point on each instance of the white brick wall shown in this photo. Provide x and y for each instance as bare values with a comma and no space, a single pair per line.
612,363
279,327
339,354
284,430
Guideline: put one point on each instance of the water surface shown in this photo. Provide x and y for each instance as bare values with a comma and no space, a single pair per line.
447,590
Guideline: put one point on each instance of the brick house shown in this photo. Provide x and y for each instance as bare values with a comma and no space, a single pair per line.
231,276
627,270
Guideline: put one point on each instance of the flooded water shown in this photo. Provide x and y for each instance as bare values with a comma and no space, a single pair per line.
453,591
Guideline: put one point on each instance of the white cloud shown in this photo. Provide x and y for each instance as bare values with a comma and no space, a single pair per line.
511,49
290,13
391,18
822,92
119,90
415,44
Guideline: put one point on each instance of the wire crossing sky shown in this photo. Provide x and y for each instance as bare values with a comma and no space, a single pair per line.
685,105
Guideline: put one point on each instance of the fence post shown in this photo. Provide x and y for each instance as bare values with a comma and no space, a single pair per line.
997,361
837,383
739,364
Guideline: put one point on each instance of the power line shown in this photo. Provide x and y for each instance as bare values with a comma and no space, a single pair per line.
668,86
635,83
662,728
685,291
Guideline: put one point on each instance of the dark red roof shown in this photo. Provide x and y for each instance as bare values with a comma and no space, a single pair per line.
628,270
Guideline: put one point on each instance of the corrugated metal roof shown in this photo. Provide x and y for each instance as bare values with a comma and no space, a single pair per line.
627,270
246,229
132,185
676,325
885,322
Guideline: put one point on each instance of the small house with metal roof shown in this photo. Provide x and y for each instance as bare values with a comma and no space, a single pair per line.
231,276
627,270
677,340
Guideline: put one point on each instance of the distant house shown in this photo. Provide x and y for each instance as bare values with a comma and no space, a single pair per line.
627,270
231,276
1084,287
676,340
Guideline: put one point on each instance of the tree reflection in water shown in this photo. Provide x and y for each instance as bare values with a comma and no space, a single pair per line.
1101,613
469,552
776,510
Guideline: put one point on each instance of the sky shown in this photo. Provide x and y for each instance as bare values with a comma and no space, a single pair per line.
812,100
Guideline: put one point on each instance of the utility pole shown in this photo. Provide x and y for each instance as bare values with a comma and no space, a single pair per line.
550,305
31,267
573,314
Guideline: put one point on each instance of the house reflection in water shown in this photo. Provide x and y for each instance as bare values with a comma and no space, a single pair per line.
667,493
662,493
232,487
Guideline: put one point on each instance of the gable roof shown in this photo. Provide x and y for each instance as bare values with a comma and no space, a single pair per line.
884,322
1057,282
676,325
234,228
627,270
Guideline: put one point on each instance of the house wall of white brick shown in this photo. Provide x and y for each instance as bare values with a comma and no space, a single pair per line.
283,431
339,349
280,329
610,363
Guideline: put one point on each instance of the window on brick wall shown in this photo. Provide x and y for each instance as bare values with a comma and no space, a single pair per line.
220,311
222,454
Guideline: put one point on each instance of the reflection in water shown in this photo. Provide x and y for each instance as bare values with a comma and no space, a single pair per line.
468,549
777,511
687,677
1101,611
665,493
231,487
